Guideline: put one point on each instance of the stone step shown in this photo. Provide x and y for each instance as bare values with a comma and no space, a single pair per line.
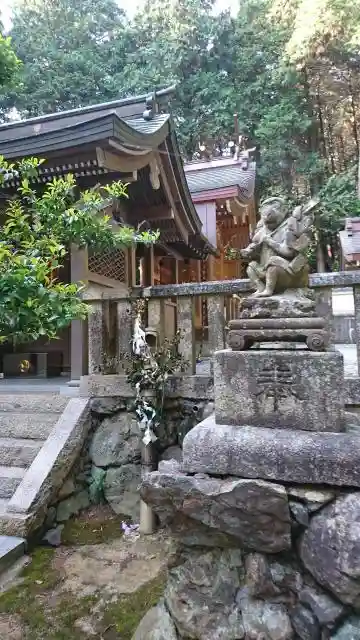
32,402
10,478
11,548
27,425
18,452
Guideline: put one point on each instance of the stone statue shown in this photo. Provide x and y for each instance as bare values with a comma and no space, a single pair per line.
276,253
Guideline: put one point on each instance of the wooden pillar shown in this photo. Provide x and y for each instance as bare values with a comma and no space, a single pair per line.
132,267
211,268
148,267
78,337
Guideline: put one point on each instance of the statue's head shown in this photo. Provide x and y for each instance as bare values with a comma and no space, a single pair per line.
273,211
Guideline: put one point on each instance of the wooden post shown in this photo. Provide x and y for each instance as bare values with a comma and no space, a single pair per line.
96,338
148,464
78,356
186,324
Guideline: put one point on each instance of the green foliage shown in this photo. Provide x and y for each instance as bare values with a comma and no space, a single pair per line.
288,68
9,63
34,239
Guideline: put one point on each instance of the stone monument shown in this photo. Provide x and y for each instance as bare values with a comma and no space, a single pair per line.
266,502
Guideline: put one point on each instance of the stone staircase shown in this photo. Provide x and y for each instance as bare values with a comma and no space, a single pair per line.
26,421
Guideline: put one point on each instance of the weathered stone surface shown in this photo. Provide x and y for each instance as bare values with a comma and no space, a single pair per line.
200,595
169,466
72,506
300,513
172,453
350,630
258,577
192,533
279,389
286,577
294,304
305,624
121,490
254,452
253,511
330,548
67,489
313,498
107,406
117,441
326,610
53,536
265,620
156,625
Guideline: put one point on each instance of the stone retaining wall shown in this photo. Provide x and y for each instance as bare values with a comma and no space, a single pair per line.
257,560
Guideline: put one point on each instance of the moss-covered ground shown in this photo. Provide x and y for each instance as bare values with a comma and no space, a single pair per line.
44,611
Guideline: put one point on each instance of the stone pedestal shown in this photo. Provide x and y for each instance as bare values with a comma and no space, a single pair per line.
279,389
273,454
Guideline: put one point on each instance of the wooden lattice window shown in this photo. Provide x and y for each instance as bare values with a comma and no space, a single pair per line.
111,264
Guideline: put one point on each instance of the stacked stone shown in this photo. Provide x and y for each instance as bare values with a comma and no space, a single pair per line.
266,507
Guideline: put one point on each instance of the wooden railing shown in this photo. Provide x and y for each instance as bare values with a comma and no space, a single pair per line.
171,307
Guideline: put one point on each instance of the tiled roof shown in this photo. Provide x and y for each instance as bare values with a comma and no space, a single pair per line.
223,176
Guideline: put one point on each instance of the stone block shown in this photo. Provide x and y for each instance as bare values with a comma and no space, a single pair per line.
273,454
280,389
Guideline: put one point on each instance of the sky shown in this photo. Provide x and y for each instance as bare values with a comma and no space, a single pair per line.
129,6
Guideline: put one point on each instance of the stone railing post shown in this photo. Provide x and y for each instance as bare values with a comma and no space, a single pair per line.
156,317
96,337
324,308
356,290
124,331
216,323
186,325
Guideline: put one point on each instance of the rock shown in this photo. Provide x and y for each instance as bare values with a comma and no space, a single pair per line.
265,620
295,304
121,490
258,576
255,452
50,517
169,466
170,460
300,513
71,506
286,576
67,489
107,406
326,610
172,453
313,498
117,441
350,630
191,533
200,596
305,624
278,389
330,548
208,410
253,511
156,625
53,536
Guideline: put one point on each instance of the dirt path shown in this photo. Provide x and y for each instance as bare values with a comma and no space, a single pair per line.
97,584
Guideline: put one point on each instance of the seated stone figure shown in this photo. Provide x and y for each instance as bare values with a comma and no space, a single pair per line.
276,253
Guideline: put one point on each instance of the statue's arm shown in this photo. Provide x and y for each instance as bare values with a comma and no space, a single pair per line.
282,249
252,249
